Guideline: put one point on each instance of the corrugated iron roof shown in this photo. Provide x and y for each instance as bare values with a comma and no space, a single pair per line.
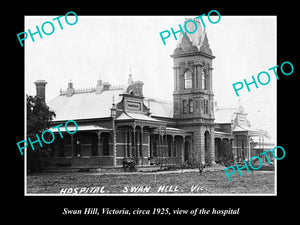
79,128
84,105
160,108
136,116
225,115
89,105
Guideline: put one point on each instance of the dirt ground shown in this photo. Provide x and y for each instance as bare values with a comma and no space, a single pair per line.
178,182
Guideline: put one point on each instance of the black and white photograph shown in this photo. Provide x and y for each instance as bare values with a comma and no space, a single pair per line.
154,115
125,115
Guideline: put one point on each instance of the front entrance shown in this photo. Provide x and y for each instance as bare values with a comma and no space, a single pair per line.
207,147
218,152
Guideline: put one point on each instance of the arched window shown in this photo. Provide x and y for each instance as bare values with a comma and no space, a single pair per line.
188,79
204,78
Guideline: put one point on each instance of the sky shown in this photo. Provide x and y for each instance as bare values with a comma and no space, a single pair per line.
107,47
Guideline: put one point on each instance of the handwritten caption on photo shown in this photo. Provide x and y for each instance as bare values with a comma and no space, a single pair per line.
165,189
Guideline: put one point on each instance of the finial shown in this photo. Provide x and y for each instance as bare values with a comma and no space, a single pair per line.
113,109
130,80
100,75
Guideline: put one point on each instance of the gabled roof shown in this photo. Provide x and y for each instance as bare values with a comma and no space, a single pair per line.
239,128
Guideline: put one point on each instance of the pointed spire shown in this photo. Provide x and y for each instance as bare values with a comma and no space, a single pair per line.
130,80
195,37
239,108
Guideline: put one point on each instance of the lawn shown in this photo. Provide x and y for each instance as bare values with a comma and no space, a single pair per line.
210,182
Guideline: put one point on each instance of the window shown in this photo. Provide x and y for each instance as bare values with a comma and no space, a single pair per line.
205,106
188,79
185,106
204,76
197,103
191,106
202,105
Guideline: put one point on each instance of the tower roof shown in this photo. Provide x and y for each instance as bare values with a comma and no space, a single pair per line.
193,42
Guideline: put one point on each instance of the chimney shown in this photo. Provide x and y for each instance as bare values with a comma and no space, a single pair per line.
106,86
99,86
139,88
70,89
40,89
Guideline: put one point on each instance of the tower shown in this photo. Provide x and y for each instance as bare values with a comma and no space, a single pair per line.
193,95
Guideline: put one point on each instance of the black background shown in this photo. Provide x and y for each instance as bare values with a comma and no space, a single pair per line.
254,209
